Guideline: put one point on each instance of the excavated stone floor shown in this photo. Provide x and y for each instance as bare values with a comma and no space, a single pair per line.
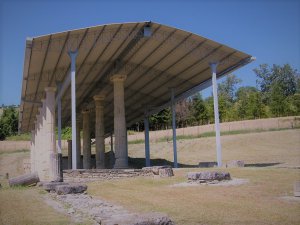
82,207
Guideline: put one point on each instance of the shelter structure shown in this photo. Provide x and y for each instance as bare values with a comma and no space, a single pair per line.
104,79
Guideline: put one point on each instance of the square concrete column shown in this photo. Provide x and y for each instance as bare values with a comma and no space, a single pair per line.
99,132
78,144
50,142
86,132
120,122
69,154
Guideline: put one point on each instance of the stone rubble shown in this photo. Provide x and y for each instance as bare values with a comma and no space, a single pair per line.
208,176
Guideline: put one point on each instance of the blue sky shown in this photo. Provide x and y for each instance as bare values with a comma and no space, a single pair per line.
268,30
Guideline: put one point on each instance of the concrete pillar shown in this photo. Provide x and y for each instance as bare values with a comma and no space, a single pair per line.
78,145
50,132
69,154
86,139
119,122
99,132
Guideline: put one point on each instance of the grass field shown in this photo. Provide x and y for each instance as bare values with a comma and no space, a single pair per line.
272,160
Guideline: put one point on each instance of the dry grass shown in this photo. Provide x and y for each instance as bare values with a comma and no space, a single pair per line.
257,202
26,206
268,147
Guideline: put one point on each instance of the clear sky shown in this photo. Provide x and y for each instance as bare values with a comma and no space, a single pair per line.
268,30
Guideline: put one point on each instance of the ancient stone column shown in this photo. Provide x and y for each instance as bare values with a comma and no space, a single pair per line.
32,152
50,133
40,157
69,154
78,144
86,139
99,132
119,122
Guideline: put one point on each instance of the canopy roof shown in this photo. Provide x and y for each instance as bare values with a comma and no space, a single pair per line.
154,57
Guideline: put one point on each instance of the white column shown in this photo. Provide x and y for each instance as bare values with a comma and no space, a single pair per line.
86,139
99,132
78,144
120,122
213,67
174,128
59,125
50,132
73,56
147,147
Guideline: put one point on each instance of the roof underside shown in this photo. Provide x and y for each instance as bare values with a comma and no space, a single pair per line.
169,58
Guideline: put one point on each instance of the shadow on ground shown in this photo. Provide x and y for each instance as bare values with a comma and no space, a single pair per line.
140,163
262,164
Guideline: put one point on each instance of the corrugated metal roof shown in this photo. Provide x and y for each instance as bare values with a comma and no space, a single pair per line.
170,58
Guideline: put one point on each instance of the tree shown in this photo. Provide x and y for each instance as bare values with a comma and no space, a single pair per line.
249,103
278,84
8,122
198,110
228,87
182,109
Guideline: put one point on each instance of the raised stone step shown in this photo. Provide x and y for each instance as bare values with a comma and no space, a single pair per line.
208,176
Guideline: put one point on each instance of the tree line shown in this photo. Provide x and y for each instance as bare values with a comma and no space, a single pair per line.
277,94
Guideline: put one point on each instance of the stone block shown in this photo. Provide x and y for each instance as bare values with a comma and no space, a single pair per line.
50,186
166,172
297,189
70,189
235,163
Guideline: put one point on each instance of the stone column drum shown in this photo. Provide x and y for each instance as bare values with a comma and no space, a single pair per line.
50,133
86,139
119,122
32,152
99,132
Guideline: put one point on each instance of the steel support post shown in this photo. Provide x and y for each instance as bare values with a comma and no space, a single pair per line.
213,67
73,56
174,127
147,147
